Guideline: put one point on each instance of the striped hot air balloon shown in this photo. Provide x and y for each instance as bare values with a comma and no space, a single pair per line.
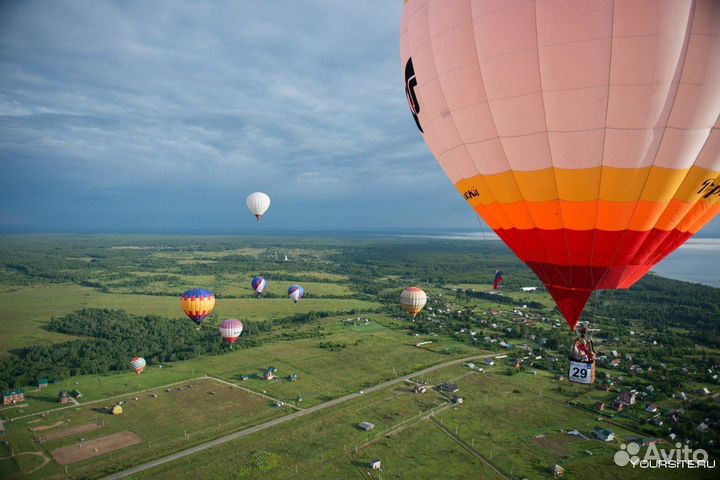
258,203
586,133
138,365
231,329
296,292
258,284
413,300
197,304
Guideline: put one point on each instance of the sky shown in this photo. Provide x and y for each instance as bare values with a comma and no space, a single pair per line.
163,116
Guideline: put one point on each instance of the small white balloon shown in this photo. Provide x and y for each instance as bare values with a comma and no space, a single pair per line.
258,203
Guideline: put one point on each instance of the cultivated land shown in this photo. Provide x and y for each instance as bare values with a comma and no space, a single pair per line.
349,335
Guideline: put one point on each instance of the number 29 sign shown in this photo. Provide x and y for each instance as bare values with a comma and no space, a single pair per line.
581,372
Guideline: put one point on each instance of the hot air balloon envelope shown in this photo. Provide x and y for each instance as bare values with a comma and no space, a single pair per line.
258,284
231,329
585,133
258,203
197,304
138,365
296,292
413,300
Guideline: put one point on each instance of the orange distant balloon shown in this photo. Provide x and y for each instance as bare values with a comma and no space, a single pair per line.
585,133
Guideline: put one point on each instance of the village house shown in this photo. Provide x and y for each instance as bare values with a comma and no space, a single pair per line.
603,435
600,406
557,471
367,426
652,408
618,406
42,383
63,397
628,398
12,397
448,387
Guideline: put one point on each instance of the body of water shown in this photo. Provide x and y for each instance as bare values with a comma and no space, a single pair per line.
697,261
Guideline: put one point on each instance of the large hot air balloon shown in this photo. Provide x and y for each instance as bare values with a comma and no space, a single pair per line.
258,203
197,304
296,292
413,300
584,133
258,284
138,365
231,329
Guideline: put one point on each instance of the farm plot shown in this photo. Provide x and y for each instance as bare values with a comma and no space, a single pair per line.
93,448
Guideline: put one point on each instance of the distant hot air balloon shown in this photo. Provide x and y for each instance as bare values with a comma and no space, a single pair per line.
231,329
498,279
258,284
197,304
138,365
258,203
413,300
296,292
586,134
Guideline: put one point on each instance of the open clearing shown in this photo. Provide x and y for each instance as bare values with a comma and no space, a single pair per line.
93,448
68,431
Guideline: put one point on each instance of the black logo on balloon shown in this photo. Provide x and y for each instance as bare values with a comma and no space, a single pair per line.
471,194
410,84
709,187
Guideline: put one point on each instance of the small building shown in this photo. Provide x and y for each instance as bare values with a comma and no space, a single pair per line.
557,471
43,383
656,421
600,406
244,378
628,398
652,408
367,426
457,400
603,435
420,389
376,465
448,387
489,362
703,427
12,397
618,406
77,394
63,397
292,377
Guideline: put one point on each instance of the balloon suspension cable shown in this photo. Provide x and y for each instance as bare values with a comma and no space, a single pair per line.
595,304
482,228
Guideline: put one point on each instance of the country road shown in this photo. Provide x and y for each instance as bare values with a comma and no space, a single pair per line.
287,418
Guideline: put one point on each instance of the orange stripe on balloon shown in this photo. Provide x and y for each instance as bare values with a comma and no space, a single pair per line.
639,215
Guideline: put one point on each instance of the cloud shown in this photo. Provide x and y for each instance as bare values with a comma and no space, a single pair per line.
144,114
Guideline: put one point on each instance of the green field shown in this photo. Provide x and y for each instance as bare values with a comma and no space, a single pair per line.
349,335
22,325
185,415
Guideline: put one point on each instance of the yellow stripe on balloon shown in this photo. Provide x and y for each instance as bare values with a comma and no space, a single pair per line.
652,184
